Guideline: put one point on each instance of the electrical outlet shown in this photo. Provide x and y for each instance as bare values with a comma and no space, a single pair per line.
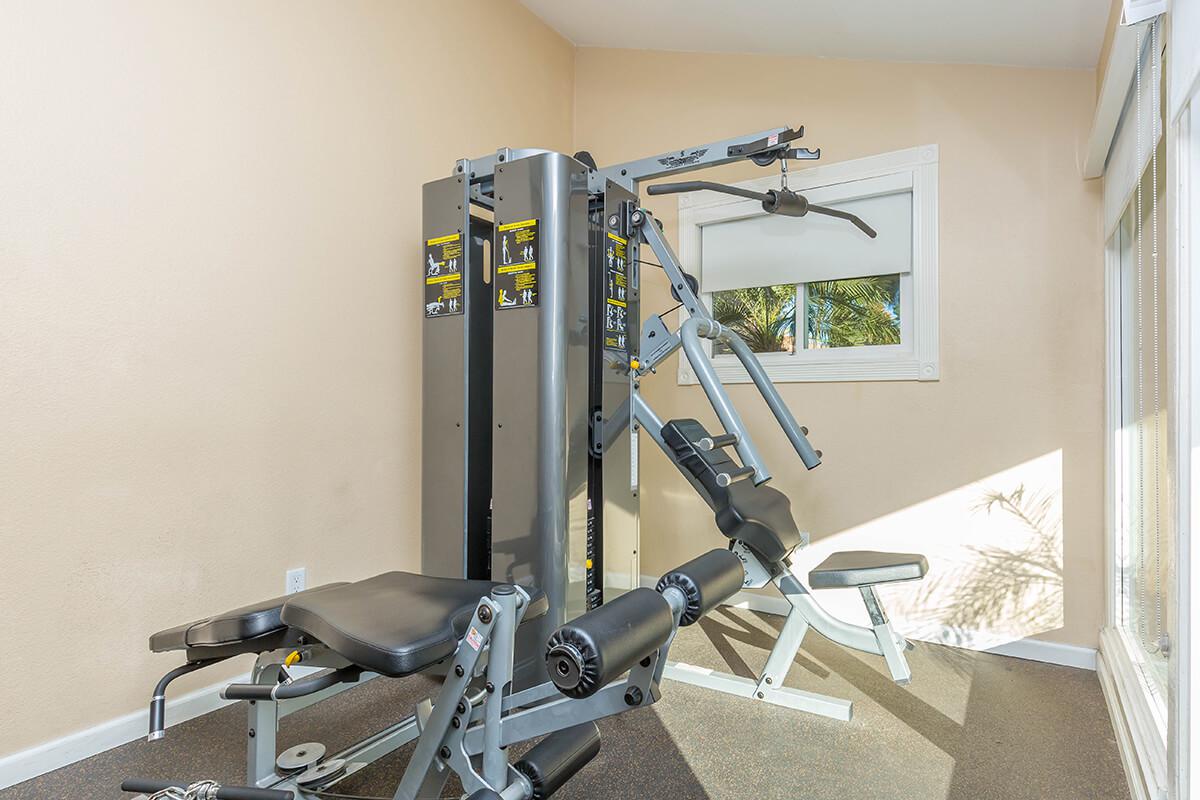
296,580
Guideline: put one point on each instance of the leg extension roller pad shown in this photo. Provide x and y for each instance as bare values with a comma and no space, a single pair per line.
585,655
706,582
555,759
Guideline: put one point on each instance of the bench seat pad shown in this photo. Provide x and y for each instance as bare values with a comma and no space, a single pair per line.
239,625
396,623
866,568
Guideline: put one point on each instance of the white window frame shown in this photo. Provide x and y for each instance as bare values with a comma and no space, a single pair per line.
917,357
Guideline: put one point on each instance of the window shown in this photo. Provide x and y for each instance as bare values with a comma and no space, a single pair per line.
817,299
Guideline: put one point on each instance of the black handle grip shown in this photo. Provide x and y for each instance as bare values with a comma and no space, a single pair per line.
287,691
146,786
248,691
705,186
706,582
585,655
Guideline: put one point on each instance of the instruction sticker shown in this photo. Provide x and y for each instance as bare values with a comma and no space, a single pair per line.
443,276
616,293
516,258
474,638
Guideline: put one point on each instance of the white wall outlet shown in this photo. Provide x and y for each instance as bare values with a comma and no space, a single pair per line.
296,580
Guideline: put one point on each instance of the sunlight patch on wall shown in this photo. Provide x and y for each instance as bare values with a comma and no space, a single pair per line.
995,551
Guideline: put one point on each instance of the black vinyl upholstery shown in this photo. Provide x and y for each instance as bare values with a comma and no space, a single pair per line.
607,641
758,516
866,568
706,582
239,625
396,623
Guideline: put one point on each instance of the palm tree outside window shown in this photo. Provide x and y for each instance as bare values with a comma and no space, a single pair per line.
852,312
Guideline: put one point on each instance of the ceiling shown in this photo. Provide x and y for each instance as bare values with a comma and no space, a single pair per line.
1035,33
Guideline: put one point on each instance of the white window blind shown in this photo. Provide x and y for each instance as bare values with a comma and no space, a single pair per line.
1124,168
766,249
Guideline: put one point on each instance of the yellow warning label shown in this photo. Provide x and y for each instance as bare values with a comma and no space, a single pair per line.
441,239
515,267
525,223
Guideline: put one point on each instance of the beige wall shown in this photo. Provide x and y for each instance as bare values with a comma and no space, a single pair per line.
910,466
209,352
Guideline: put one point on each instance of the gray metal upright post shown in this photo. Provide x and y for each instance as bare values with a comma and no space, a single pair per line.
540,390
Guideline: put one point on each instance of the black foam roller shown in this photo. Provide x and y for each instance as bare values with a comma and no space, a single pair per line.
585,655
555,759
706,582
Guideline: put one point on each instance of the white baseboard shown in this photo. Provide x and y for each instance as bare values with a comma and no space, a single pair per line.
1066,655
49,756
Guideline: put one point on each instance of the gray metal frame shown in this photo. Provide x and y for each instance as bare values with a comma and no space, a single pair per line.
658,343
461,730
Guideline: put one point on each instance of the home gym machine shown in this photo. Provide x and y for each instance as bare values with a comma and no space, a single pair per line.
532,363
549,320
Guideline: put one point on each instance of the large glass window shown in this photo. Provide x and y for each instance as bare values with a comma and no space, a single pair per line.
1144,543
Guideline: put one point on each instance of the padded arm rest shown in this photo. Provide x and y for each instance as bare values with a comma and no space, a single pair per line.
706,582
585,655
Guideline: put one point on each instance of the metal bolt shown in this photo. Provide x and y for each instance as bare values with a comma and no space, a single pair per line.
490,687
501,156
770,680
760,695
444,752
485,614
252,733
458,670
614,221
456,722
645,662
633,696
462,707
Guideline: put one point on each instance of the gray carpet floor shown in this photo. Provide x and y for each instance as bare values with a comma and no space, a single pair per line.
971,726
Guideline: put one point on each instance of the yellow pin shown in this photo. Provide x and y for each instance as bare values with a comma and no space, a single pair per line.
292,659
588,563
633,363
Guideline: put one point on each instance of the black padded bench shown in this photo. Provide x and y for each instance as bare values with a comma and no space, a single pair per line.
255,628
394,624
758,516
856,568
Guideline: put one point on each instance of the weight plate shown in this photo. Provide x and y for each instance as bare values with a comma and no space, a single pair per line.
320,773
302,756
